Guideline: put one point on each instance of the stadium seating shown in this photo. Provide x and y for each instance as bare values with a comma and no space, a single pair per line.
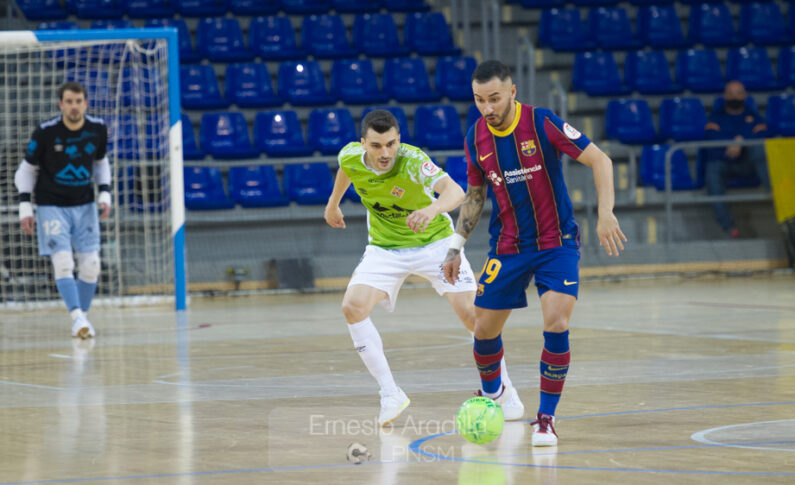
542,4
58,25
301,83
144,92
786,66
648,73
331,129
630,121
403,122
682,119
699,71
256,186
405,5
438,127
204,189
781,114
751,66
325,37
712,24
100,9
125,143
596,73
190,151
279,134
473,114
563,30
274,38
377,36
453,77
762,23
406,80
308,183
249,86
456,167
254,7
186,52
201,8
220,39
652,168
594,3
42,9
109,24
354,82
611,28
351,195
428,34
659,27
719,102
144,9
356,6
225,135
199,88
305,7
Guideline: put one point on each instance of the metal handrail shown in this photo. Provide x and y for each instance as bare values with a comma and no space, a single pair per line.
632,153
526,70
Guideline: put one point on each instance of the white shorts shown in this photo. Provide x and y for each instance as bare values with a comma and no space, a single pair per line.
387,269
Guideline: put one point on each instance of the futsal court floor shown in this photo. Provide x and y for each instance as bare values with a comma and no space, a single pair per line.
672,381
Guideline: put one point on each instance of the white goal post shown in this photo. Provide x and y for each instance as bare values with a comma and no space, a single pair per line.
132,81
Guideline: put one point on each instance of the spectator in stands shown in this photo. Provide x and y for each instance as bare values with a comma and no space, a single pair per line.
734,120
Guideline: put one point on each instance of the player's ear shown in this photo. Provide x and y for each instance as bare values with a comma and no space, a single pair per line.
362,141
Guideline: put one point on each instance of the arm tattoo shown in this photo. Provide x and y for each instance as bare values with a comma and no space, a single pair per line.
471,209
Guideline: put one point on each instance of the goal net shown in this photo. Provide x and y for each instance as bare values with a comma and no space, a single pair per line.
131,80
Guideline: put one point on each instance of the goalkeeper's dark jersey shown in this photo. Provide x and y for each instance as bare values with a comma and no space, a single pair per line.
65,159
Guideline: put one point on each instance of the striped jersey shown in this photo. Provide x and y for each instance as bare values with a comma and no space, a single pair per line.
532,210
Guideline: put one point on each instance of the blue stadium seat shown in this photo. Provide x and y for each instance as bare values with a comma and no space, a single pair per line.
751,66
308,183
377,36
305,7
406,80
630,121
594,3
405,5
563,30
225,135
331,129
400,115
453,77
303,84
786,65
190,150
351,195
596,73
125,142
712,24
248,85
110,24
699,71
273,38
456,167
354,82
187,53
651,2
762,23
42,10
254,7
682,119
781,114
652,168
542,3
58,25
147,90
648,73
611,28
220,39
204,189
659,27
438,127
202,8
325,37
199,87
279,134
100,9
473,114
256,186
356,6
144,9
428,34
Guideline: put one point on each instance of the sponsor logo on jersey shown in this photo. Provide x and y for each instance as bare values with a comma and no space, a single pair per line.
521,174
486,156
398,192
528,148
58,148
73,176
495,179
571,132
429,169
72,151
89,148
32,148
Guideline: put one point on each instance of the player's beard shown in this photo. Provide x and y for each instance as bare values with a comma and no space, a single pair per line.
503,117
75,117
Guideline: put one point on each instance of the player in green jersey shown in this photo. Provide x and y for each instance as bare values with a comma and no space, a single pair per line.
408,233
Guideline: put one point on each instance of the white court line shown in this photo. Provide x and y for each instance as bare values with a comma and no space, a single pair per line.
36,386
701,436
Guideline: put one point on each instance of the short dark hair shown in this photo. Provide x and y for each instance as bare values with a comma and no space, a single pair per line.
73,86
380,120
488,70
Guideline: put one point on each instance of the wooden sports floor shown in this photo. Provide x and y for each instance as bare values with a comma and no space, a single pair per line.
673,381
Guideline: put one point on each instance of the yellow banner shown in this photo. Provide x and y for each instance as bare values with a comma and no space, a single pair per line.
781,165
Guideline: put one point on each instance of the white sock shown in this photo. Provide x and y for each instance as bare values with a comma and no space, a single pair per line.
76,313
504,374
367,343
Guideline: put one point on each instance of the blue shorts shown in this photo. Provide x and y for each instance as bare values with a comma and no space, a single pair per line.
61,228
503,282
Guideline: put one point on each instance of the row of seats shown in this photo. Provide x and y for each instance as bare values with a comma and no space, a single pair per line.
221,39
536,4
258,186
301,83
116,9
279,133
659,26
697,70
681,119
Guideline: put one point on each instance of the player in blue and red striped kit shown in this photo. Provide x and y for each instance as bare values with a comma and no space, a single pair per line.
514,150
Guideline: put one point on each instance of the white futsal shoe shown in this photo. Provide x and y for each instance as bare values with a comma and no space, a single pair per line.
82,328
544,431
512,407
391,406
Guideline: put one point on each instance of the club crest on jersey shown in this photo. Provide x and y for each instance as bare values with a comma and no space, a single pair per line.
398,192
495,179
528,148
571,132
429,169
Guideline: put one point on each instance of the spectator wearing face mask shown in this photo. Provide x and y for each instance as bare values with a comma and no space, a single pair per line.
734,121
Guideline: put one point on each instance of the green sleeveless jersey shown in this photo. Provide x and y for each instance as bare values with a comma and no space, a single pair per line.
390,197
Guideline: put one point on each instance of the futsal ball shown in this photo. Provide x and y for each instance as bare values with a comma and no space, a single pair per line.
480,420
357,453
